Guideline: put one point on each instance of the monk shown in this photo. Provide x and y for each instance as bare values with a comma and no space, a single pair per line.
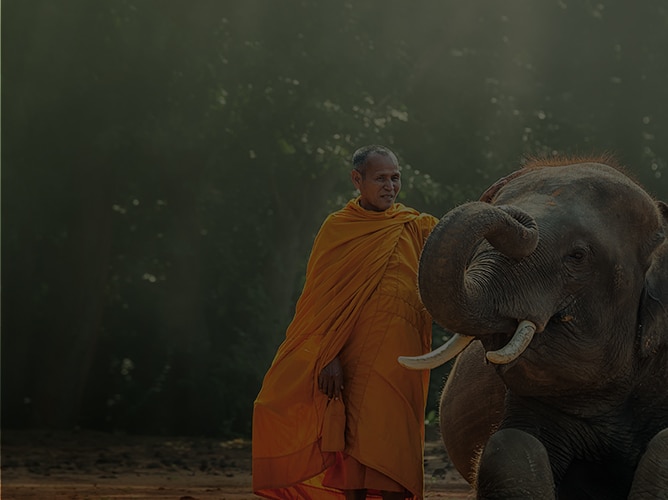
337,416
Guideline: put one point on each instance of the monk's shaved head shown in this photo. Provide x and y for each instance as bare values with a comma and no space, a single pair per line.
361,156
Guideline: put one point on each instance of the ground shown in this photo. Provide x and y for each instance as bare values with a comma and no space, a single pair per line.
84,465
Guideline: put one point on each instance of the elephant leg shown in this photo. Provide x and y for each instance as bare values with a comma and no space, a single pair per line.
514,465
651,477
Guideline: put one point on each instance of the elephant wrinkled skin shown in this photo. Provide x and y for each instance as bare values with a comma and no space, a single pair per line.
579,252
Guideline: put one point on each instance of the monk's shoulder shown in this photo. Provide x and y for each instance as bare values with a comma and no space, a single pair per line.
426,222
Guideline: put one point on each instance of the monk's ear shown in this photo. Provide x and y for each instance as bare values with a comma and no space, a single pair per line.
356,177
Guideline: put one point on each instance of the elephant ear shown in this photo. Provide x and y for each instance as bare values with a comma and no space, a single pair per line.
653,314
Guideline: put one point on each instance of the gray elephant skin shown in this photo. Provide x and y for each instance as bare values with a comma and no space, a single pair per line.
557,279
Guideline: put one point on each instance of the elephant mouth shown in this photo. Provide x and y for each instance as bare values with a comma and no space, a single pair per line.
507,353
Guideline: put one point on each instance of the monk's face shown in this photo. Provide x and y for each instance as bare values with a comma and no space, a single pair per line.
380,184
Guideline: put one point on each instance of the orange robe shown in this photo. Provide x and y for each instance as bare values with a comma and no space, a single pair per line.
359,302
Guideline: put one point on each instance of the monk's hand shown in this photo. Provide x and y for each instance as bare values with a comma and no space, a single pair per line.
330,380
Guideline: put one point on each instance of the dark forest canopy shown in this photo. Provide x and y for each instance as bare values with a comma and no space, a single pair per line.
166,164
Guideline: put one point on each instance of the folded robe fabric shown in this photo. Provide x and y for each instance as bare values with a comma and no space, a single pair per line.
349,258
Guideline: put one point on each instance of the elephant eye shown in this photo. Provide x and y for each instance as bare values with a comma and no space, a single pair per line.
577,254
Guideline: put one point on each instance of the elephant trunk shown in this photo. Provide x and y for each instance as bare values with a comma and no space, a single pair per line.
455,277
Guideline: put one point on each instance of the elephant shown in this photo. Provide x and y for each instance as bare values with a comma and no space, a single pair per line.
556,284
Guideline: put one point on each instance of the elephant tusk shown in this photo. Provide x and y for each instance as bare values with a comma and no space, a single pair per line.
513,349
436,358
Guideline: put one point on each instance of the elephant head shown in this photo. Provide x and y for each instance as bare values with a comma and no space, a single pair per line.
560,275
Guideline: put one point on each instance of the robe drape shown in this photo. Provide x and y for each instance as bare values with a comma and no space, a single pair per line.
348,263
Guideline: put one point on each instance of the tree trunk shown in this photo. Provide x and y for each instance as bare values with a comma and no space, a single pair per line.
65,351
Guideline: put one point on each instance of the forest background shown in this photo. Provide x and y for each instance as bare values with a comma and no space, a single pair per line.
166,165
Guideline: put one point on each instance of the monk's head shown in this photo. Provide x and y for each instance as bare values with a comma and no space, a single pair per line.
377,177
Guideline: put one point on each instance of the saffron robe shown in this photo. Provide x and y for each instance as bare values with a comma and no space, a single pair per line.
359,302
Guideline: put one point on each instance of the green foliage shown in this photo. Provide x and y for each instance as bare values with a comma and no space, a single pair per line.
166,166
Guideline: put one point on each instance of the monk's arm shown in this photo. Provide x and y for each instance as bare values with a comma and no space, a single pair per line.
330,380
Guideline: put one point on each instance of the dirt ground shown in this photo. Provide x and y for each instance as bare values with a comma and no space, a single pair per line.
84,465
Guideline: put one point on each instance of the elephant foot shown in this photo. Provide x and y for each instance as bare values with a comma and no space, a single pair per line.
514,465
651,478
